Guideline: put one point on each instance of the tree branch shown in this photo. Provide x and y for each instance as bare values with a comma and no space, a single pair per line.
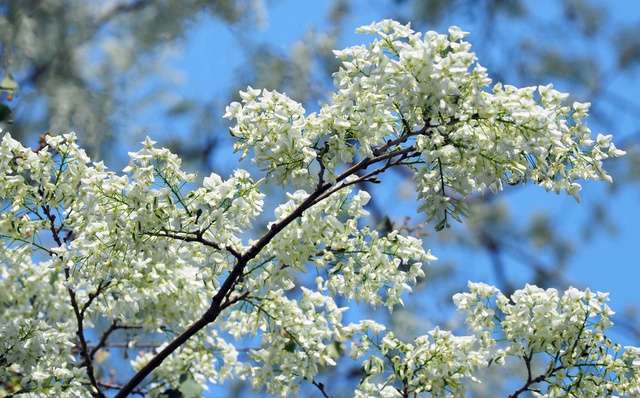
79,314
321,388
220,301
105,336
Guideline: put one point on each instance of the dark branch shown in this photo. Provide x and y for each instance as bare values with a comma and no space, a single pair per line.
321,388
105,336
79,314
221,300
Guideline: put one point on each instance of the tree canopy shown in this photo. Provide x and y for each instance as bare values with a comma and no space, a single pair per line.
152,251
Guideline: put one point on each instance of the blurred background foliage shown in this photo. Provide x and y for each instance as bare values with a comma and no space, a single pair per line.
114,71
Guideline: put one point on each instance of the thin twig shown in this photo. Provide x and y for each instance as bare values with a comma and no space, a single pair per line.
79,314
105,336
321,388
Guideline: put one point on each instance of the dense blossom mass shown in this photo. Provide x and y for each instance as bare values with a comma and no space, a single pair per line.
425,99
90,257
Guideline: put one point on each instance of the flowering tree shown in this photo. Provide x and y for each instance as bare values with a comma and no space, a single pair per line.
148,252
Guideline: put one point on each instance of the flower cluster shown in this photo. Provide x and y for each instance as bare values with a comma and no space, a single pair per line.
425,98
560,339
273,125
217,362
296,336
117,252
39,354
352,262
438,363
126,249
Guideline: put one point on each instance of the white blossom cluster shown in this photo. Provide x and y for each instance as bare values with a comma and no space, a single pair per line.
109,251
425,96
560,339
87,252
118,246
438,363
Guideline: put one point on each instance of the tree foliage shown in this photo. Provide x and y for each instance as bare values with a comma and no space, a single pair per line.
153,251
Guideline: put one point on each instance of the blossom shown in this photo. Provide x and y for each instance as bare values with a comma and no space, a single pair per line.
560,336
429,97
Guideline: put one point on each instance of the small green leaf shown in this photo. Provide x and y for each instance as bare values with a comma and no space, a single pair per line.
290,346
440,226
385,226
5,113
8,85
189,388
171,393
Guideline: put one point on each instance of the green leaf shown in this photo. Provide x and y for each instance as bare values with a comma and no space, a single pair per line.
444,223
385,226
189,388
171,393
8,85
290,346
5,113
